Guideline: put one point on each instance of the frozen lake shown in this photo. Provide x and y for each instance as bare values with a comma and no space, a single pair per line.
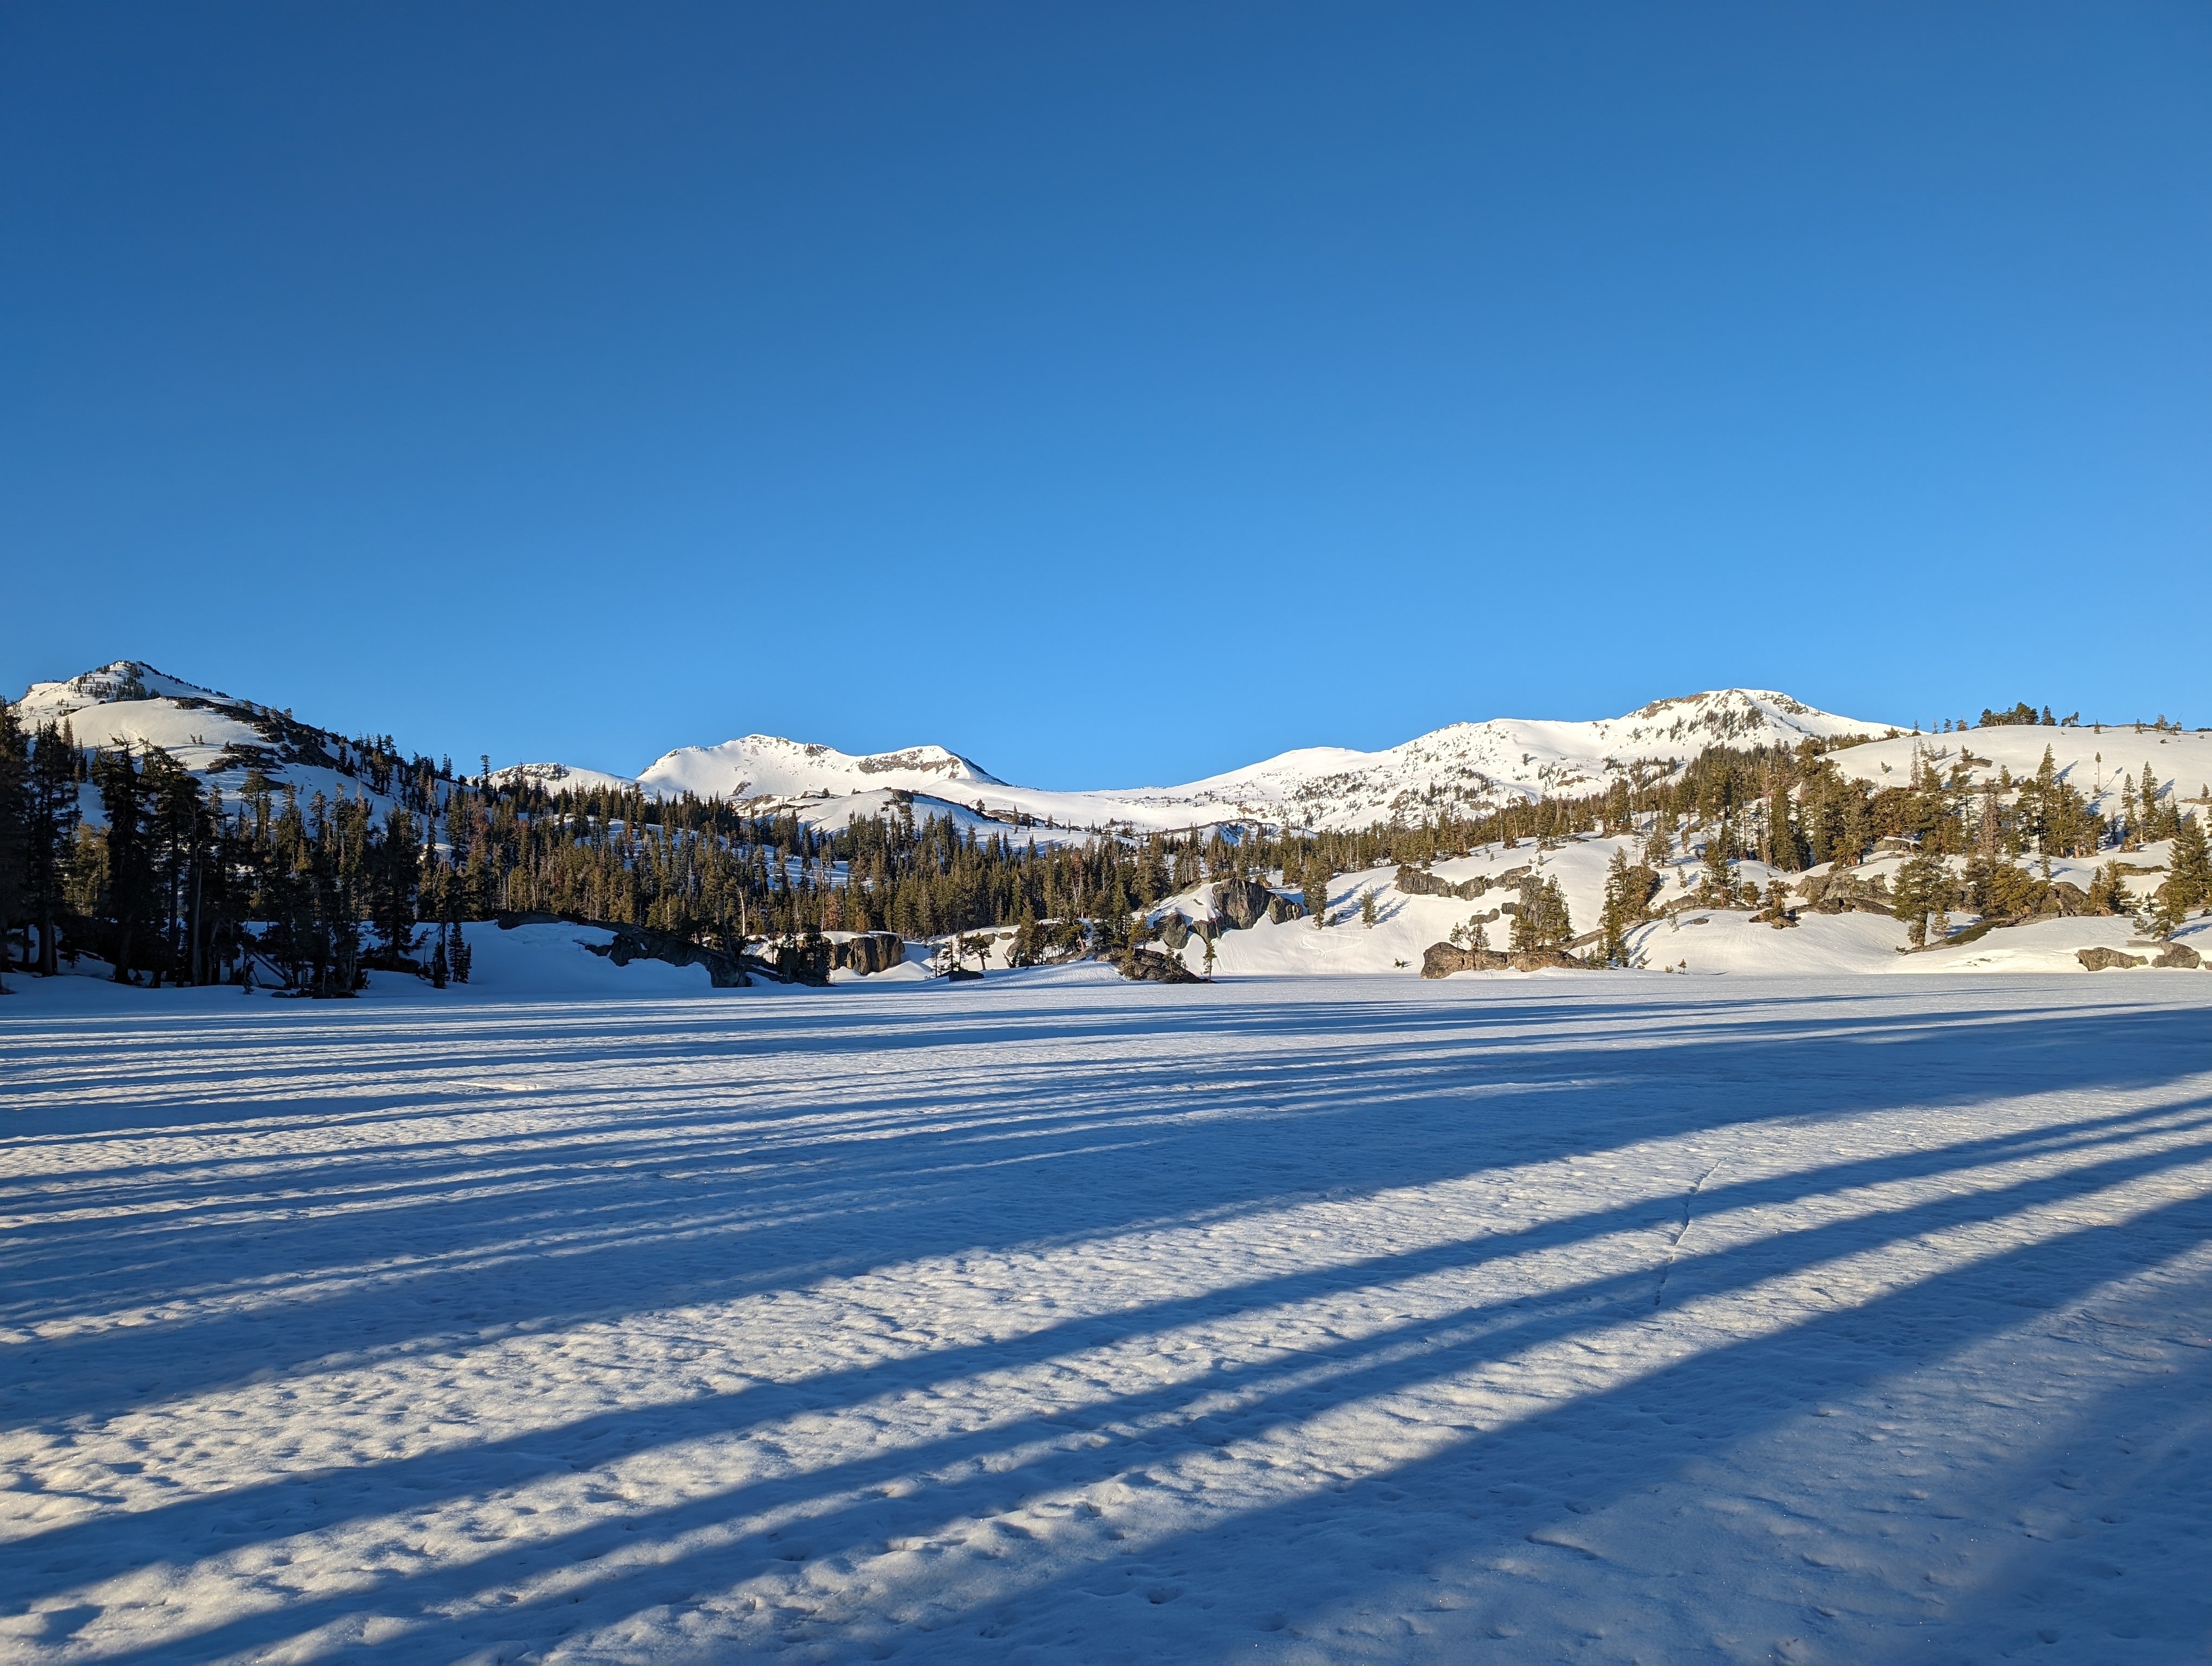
1053,1318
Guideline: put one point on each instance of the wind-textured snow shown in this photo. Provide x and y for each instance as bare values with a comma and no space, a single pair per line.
1053,1318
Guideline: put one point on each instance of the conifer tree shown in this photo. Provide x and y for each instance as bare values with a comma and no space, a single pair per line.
395,879
1541,921
2154,815
1924,887
14,853
1716,886
1315,896
2108,891
1622,907
2192,863
130,879
2164,912
50,818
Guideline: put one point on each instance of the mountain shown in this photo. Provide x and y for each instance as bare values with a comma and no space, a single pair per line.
1469,765
767,766
219,736
1465,766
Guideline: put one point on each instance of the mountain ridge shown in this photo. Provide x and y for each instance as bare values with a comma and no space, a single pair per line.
1464,766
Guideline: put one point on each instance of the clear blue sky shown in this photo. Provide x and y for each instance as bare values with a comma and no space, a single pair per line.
1114,393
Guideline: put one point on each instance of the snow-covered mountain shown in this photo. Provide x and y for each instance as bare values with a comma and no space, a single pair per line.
767,766
1476,764
219,736
1462,765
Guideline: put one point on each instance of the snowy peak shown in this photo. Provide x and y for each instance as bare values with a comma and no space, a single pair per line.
1733,717
563,778
1464,768
768,766
110,684
1473,765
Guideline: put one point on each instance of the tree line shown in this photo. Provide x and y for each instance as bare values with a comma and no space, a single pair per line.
178,883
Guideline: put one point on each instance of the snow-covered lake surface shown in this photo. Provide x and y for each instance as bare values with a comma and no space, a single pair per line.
1053,1318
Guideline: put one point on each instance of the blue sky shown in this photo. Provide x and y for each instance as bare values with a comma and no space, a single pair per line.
1112,393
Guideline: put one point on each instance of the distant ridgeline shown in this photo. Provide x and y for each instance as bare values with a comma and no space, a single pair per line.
181,835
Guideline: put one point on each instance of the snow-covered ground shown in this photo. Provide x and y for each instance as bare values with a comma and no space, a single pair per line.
1054,1318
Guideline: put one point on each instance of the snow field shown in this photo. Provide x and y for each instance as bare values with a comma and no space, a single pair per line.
1309,1319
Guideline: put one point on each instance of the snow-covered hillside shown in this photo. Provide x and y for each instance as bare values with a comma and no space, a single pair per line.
218,737
1476,765
2094,761
1682,938
1464,766
767,766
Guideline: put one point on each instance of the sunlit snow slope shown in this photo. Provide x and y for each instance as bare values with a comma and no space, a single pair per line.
1464,765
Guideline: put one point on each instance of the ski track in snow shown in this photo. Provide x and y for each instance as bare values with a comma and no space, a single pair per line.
1312,1319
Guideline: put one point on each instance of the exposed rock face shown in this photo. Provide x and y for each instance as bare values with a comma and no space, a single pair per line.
1145,967
2178,957
724,972
1841,893
1245,903
869,952
1242,903
1415,883
1442,959
1174,931
2070,898
2099,960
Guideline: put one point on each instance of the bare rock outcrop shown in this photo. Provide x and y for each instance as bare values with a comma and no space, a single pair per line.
1442,959
2102,959
869,952
1244,902
1143,966
724,972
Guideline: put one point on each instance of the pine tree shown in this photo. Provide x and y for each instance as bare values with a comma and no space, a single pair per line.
2192,863
14,853
1923,886
2108,891
1316,893
2163,913
1619,911
1367,915
129,878
394,876
51,815
1541,921
1716,885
